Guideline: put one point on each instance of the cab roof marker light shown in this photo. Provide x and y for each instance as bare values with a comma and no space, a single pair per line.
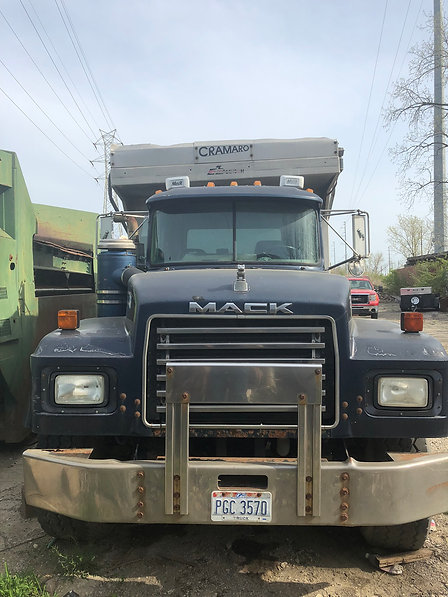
257,183
310,190
158,191
177,182
210,184
288,180
233,183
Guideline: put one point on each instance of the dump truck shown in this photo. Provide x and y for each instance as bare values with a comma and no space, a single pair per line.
226,381
47,261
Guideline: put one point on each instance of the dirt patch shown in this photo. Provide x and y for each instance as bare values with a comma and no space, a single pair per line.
220,560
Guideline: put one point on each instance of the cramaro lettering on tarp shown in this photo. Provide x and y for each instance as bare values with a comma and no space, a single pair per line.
234,152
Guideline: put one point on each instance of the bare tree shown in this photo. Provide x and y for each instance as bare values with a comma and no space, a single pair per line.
412,236
375,264
412,102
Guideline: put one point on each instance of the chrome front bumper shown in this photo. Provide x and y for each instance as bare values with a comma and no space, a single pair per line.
306,490
408,488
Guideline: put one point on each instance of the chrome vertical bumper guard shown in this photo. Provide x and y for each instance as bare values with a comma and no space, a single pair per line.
176,448
228,387
309,449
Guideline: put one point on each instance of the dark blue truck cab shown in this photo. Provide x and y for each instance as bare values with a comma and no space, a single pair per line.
234,386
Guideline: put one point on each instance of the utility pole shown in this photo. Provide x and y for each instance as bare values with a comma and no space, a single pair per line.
345,245
439,135
107,139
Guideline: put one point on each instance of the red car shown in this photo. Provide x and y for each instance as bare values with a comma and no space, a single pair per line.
364,299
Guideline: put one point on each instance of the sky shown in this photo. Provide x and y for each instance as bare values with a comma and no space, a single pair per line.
172,71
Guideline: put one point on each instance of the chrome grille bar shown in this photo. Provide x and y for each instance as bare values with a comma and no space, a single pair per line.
247,330
251,340
240,345
210,408
259,359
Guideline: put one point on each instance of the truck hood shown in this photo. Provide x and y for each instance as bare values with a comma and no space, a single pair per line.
362,291
270,291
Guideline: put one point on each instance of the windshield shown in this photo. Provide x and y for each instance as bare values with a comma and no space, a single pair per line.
198,231
361,285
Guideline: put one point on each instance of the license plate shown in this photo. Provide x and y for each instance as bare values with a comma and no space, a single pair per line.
241,506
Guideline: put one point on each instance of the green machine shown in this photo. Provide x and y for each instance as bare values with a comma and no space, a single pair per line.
46,264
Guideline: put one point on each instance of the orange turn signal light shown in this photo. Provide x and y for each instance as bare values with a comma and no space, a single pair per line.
68,319
233,183
158,191
257,183
412,321
210,184
310,190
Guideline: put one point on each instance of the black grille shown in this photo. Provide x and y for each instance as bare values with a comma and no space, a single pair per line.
247,340
360,299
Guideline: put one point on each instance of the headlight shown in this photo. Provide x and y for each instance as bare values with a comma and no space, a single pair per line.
79,389
406,392
372,297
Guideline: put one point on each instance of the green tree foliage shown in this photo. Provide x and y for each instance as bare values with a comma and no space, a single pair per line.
433,273
429,273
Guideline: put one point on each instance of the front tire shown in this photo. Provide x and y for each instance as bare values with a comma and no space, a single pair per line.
400,537
374,315
63,527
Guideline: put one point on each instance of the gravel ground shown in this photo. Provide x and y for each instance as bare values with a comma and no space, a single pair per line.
216,561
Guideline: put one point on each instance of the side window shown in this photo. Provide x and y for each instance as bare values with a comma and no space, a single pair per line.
7,212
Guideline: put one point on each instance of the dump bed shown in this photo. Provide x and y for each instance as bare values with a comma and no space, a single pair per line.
137,171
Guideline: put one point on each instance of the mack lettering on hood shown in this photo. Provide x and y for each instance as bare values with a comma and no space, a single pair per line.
263,308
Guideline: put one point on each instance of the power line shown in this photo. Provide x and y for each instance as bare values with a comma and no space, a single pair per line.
394,124
56,67
374,138
87,64
95,86
45,134
62,63
44,77
43,111
368,102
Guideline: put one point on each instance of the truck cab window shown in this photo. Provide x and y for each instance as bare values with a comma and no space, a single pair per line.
279,231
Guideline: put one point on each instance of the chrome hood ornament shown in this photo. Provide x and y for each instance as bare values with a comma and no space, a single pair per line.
240,284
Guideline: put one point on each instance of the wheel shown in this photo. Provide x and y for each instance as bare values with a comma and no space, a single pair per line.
401,537
374,315
63,527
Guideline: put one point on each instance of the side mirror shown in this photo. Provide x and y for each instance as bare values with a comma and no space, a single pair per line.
356,268
360,246
360,231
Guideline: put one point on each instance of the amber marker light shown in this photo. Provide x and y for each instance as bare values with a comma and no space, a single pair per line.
310,190
210,184
257,183
412,322
158,191
68,319
233,183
